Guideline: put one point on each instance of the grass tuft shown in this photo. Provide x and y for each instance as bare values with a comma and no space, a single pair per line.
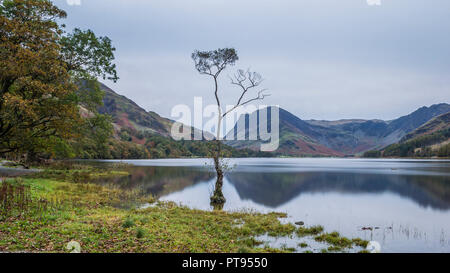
334,239
305,231
303,245
128,223
140,232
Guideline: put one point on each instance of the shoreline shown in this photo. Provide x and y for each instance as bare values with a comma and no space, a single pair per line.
98,217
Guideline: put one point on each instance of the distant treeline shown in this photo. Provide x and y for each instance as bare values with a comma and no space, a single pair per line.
417,147
124,146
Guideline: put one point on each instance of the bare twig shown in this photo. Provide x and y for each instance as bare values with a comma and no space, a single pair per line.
246,80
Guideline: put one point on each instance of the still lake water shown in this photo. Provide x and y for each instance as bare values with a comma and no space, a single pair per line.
405,202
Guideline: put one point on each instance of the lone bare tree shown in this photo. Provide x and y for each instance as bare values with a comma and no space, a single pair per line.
212,63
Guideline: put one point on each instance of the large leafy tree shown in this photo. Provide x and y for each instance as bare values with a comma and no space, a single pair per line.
45,75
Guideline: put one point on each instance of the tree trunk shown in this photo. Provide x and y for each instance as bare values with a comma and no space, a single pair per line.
217,199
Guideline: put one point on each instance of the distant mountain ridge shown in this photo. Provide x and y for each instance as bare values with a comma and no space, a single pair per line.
439,123
418,118
342,137
141,134
432,139
127,114
297,137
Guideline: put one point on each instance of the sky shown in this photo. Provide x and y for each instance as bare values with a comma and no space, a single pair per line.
320,59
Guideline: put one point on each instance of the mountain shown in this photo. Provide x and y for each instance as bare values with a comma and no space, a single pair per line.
356,136
430,139
342,137
418,118
439,123
297,137
127,114
144,134
139,134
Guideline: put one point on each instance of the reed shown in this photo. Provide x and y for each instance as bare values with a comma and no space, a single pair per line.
14,197
16,200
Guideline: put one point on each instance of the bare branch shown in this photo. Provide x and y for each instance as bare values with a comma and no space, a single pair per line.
261,96
246,80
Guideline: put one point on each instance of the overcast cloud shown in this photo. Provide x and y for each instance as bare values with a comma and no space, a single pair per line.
321,59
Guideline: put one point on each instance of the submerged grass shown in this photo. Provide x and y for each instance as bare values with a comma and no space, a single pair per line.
339,242
307,231
303,245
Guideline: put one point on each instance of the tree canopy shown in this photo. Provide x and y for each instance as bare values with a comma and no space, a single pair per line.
45,75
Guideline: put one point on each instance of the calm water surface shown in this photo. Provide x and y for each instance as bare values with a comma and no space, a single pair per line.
406,202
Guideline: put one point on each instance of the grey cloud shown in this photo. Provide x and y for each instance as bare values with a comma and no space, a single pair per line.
324,59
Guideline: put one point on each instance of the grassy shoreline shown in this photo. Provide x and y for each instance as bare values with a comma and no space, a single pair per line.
58,205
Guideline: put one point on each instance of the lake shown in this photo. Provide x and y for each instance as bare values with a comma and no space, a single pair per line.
403,204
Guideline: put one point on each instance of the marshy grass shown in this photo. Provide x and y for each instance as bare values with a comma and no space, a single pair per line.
87,215
286,248
250,242
79,173
334,249
128,223
339,242
307,231
303,245
44,212
18,202
359,242
14,196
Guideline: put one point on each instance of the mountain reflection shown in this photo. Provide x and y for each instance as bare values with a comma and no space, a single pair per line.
273,189
159,181
276,189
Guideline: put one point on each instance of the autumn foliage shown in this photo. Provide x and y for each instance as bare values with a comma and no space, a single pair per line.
45,75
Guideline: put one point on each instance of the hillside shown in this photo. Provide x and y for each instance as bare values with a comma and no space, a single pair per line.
416,119
342,137
430,139
139,134
297,137
142,134
438,123
127,114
